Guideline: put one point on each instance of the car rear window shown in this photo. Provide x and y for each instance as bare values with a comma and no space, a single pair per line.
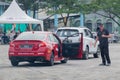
66,32
31,36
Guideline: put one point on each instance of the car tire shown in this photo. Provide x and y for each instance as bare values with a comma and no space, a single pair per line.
14,63
65,60
51,62
86,53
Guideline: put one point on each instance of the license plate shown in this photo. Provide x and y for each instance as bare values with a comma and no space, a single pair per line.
26,46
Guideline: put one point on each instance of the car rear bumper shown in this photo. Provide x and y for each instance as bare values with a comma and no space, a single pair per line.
27,58
29,54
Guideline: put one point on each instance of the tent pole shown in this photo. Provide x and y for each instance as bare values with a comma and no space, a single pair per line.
30,25
13,27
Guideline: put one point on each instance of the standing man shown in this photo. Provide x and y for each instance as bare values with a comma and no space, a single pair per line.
103,36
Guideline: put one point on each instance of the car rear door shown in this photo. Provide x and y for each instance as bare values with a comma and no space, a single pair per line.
91,41
56,45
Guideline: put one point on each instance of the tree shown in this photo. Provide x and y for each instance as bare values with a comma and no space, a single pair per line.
64,6
54,6
110,7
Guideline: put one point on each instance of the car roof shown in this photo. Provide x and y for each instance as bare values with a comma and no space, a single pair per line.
41,32
72,28
32,35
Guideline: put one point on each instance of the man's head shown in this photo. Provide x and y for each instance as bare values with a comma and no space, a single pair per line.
101,27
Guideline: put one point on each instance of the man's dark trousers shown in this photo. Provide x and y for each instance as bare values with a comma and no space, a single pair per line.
105,54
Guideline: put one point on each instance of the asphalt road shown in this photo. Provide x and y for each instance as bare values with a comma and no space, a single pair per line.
73,70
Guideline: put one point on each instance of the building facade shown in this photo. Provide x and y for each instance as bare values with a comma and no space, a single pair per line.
92,21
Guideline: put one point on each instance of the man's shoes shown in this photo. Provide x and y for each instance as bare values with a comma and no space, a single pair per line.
108,64
102,64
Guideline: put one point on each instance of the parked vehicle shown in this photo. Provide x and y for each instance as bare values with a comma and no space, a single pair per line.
36,46
114,38
94,34
79,45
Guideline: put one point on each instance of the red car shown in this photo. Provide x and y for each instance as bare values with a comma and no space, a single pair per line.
36,46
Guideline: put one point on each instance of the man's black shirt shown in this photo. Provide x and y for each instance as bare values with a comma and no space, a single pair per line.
103,41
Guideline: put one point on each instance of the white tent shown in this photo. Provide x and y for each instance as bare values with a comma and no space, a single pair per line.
14,14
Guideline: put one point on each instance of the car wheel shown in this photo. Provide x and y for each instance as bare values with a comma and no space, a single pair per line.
86,53
51,62
65,60
96,55
14,63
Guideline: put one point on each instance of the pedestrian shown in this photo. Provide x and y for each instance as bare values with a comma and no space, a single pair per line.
5,39
103,36
15,36
11,35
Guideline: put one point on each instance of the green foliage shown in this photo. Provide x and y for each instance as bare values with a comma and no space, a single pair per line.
63,6
108,5
111,7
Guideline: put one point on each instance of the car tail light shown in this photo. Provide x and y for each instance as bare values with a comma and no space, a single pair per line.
42,44
12,45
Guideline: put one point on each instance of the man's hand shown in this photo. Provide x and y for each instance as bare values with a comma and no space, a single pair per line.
103,35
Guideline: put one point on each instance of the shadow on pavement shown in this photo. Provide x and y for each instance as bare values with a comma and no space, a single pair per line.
37,65
29,65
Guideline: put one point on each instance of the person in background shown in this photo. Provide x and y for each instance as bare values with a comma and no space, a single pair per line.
11,35
103,36
1,34
15,36
5,39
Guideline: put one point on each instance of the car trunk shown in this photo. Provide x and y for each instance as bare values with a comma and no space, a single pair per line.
27,45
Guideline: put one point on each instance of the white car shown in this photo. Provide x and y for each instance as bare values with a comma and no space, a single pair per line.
88,39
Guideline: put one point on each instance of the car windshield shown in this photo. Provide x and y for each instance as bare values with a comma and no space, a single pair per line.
31,36
67,32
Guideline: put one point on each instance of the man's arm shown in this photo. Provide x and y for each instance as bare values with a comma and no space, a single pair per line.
107,36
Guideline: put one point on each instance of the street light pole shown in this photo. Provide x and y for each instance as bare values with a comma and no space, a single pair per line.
55,19
81,20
